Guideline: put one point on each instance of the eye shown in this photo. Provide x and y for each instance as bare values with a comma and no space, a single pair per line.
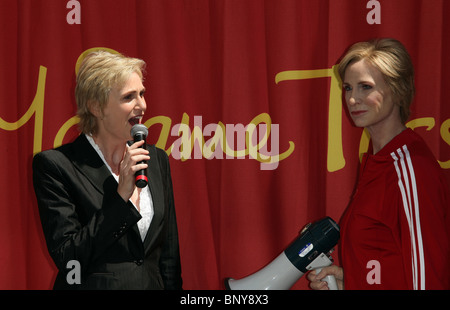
141,94
347,88
366,86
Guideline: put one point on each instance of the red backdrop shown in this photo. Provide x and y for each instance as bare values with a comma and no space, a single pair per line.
216,67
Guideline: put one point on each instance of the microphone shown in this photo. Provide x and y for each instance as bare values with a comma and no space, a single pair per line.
139,132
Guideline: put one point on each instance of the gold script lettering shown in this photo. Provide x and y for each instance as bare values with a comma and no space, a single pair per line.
36,108
335,155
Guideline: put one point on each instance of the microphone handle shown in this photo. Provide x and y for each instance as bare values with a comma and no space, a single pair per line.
141,179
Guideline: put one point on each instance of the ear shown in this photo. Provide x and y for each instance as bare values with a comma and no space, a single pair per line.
94,108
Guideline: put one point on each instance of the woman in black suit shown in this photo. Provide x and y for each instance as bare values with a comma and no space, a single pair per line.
121,236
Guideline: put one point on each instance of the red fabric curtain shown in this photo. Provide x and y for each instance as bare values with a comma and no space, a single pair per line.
214,69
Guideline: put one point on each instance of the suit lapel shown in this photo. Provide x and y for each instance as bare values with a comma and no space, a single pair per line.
89,163
157,192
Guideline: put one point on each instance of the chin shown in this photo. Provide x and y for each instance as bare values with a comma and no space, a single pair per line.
359,124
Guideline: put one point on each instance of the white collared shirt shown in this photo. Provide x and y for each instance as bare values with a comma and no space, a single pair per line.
145,197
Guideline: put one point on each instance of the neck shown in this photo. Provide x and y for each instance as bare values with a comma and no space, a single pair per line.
112,151
383,136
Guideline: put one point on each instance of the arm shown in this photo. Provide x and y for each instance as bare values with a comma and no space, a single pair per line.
424,228
170,257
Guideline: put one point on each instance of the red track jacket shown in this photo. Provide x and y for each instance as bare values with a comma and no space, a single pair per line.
395,234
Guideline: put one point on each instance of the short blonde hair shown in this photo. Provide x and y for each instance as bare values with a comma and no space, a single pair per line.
99,72
391,58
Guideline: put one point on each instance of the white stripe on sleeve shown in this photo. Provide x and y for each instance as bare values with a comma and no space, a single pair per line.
408,188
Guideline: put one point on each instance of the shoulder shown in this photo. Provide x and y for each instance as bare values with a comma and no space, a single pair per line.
60,156
421,155
422,170
51,157
414,165
410,148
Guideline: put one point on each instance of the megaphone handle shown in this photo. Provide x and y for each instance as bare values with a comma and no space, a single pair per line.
330,279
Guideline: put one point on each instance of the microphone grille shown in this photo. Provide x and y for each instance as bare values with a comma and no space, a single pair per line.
139,128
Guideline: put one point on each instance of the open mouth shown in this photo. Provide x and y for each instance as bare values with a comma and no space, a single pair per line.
135,120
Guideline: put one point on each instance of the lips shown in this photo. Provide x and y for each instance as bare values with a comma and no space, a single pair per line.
135,120
358,113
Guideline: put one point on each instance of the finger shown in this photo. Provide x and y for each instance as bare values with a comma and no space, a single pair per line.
330,270
319,285
139,157
137,144
321,274
135,155
311,276
139,167
136,152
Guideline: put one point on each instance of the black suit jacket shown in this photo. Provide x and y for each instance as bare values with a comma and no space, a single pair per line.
85,219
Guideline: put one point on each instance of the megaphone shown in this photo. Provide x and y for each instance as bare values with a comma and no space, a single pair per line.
311,250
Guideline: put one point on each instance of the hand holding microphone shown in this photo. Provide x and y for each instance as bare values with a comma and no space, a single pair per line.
133,167
139,132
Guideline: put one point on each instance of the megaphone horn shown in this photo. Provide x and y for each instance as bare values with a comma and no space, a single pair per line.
311,250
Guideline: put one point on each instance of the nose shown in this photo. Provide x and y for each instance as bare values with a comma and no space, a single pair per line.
351,98
351,101
141,104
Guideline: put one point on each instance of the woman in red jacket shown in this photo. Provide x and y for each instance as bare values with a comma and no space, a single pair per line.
395,232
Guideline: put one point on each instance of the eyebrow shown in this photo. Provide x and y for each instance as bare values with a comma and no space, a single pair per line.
131,91
360,82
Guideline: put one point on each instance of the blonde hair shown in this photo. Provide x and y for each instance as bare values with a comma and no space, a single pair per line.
99,72
391,58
